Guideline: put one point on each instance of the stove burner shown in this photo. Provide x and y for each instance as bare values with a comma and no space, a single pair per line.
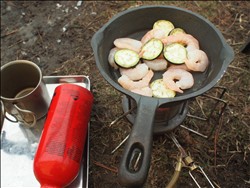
166,118
162,125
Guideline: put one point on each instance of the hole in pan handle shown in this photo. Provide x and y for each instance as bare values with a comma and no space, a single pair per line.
136,157
135,160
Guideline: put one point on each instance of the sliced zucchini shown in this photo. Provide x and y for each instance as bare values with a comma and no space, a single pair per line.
160,90
165,25
175,53
176,31
152,49
126,58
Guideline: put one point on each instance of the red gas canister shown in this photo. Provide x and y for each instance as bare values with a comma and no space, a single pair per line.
60,150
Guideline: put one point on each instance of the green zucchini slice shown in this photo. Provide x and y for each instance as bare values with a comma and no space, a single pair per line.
175,53
126,58
165,25
176,31
152,49
160,90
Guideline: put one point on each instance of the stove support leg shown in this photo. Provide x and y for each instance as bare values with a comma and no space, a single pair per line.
207,119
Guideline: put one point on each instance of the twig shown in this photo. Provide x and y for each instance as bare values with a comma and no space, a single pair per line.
245,153
95,20
89,58
231,66
235,18
193,131
20,41
115,170
120,117
247,181
200,107
237,43
9,33
122,142
216,139
216,184
37,54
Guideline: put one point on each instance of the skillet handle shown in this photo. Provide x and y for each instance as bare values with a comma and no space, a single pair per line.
135,162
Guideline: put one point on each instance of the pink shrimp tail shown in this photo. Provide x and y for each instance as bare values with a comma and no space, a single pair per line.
128,43
170,83
153,33
145,91
197,60
178,79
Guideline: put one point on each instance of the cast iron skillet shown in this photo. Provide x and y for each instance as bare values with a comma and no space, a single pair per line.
134,23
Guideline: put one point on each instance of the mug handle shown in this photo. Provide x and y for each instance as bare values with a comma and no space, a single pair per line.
3,113
27,124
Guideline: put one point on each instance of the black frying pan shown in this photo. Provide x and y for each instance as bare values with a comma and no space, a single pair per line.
134,23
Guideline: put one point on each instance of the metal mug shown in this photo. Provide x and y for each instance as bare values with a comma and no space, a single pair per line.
23,92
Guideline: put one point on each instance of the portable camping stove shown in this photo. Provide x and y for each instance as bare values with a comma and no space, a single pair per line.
167,119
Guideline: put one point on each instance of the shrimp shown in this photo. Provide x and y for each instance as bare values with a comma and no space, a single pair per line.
111,58
184,79
182,66
197,60
156,64
146,91
186,39
126,83
129,43
153,33
136,73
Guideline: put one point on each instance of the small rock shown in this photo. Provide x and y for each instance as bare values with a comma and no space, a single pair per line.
58,5
79,3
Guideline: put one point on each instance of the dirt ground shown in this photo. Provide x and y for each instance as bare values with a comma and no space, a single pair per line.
56,36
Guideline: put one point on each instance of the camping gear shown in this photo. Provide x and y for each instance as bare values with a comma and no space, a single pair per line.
134,23
59,154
